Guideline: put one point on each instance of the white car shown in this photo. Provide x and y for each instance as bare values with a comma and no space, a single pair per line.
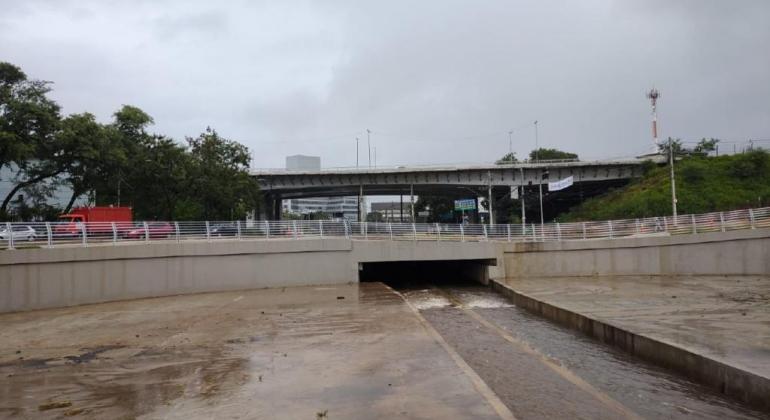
19,232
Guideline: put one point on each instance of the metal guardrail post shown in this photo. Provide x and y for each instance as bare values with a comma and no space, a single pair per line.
462,233
345,226
509,232
486,235
722,220
366,231
665,224
48,234
321,228
9,231
414,232
176,231
694,224
267,229
637,226
438,233
751,218
584,230
609,222
147,231
208,231
84,234
390,229
294,228
558,231
114,233
238,229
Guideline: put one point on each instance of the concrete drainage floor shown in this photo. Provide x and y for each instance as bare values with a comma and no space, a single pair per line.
341,352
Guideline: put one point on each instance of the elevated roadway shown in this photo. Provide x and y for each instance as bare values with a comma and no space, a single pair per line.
451,180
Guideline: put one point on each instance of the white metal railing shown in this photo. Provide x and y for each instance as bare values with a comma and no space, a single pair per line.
54,234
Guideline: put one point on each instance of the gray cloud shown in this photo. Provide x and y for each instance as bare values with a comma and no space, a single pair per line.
434,81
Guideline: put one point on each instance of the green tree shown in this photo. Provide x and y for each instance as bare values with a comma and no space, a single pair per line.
550,154
705,146
676,144
220,177
507,159
28,122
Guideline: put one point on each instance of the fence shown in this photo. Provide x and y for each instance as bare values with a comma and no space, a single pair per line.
53,234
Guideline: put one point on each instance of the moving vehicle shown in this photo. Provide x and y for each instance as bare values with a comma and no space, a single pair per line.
98,221
19,233
154,229
224,230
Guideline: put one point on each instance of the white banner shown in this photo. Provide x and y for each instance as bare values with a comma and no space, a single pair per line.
560,184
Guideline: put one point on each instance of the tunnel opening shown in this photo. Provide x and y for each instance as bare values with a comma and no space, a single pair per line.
409,274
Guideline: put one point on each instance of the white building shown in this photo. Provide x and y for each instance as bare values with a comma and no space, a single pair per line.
335,207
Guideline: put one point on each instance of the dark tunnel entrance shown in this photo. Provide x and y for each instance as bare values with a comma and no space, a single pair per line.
401,274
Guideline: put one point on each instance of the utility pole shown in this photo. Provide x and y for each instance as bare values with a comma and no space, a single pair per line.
653,95
673,181
369,145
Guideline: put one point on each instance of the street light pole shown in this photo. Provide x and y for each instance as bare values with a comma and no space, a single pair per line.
523,210
369,145
540,187
537,145
510,145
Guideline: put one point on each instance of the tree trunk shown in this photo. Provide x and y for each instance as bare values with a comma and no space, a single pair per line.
17,187
75,195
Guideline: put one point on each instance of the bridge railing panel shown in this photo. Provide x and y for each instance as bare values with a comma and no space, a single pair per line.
62,234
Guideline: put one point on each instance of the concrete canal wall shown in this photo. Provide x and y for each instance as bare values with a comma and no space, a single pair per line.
740,252
46,278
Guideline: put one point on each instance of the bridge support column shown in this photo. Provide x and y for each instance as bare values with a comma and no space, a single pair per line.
271,207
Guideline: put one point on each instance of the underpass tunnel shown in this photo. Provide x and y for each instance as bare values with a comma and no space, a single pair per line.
406,274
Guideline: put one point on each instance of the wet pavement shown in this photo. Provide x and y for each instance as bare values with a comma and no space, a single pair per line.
430,350
348,351
543,370
726,318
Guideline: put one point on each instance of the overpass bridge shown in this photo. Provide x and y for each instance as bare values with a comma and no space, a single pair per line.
489,180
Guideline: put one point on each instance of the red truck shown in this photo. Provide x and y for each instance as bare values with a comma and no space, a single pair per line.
98,221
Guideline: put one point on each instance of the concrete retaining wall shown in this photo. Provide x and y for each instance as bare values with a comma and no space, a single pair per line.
47,278
744,252
730,380
56,277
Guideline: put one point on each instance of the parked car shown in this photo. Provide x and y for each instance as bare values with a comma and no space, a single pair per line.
19,233
155,230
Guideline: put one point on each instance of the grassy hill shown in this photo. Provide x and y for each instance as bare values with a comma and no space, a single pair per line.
703,184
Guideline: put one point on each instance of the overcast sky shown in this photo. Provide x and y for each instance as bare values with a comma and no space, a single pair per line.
435,81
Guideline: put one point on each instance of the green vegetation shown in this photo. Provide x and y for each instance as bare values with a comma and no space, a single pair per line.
703,184
550,154
118,163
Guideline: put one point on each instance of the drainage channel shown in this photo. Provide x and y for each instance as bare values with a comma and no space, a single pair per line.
543,370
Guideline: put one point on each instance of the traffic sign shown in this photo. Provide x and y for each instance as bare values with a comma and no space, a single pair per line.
466,204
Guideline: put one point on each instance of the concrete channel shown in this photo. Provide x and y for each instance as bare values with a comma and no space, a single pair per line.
348,329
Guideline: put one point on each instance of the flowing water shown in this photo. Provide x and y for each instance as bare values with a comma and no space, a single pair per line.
541,369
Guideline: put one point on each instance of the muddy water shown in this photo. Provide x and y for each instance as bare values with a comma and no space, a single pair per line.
540,369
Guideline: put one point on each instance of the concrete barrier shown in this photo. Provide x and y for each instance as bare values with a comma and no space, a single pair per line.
740,252
746,386
48,278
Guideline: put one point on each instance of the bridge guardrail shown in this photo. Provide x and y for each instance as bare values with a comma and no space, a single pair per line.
14,235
